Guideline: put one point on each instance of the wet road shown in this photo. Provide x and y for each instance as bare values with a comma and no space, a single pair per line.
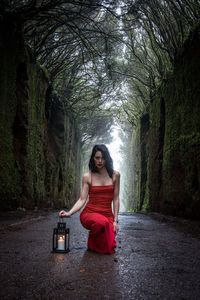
156,258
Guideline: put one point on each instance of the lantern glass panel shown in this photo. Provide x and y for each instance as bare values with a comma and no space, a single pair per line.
61,238
61,242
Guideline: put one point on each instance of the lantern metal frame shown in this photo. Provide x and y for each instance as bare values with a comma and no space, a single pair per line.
61,230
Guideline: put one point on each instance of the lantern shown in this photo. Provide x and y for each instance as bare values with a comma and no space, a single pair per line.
61,238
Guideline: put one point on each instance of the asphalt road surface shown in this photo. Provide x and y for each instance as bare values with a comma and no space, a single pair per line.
157,258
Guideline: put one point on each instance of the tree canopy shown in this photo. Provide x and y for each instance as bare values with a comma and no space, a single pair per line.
105,59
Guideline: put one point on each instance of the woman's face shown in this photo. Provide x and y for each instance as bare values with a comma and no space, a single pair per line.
99,160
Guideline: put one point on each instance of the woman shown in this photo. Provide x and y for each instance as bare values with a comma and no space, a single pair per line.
101,184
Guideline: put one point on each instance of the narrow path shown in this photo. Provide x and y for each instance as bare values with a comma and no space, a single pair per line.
154,260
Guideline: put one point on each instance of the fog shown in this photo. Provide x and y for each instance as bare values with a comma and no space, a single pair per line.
114,149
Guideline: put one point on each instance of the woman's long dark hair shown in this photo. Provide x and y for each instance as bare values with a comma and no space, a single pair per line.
106,155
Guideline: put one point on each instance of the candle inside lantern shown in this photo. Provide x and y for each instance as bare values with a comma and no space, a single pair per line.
61,243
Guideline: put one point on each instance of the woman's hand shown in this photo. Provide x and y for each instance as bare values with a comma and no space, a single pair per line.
64,213
116,227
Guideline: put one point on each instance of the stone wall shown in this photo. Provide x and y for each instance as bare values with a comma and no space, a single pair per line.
10,50
63,156
39,141
173,143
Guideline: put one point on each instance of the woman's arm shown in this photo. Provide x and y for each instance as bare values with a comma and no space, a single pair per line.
116,200
81,201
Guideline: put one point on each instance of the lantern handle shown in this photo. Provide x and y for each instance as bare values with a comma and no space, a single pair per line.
61,219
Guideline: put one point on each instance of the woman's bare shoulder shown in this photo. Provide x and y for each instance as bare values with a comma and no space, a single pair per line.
116,176
116,173
87,177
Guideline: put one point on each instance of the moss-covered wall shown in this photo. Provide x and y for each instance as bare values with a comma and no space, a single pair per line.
134,168
174,137
10,48
143,195
129,154
40,151
63,164
137,177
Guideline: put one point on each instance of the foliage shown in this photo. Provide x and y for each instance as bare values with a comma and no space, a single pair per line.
99,52
72,41
153,34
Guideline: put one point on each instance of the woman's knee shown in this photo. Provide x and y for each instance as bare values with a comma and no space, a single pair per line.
94,220
102,222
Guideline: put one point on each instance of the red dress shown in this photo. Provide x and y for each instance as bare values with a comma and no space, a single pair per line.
97,217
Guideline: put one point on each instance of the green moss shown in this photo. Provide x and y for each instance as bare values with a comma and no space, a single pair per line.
35,143
175,189
183,143
31,173
9,172
146,206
